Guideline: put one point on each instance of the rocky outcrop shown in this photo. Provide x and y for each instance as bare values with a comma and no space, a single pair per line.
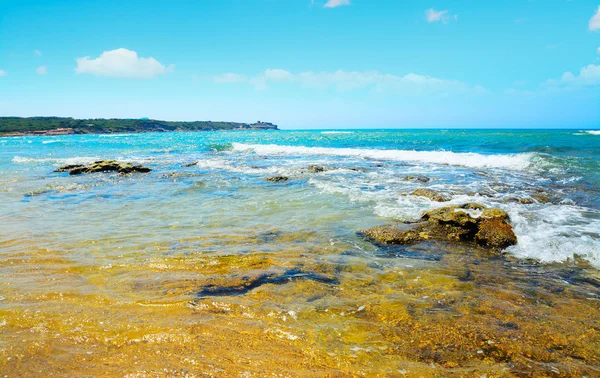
277,178
428,193
103,166
468,223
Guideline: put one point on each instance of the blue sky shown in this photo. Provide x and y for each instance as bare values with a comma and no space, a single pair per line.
306,64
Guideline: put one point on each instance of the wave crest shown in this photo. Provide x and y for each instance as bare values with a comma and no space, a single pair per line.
465,159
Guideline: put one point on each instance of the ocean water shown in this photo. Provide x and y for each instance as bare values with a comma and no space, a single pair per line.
366,176
141,251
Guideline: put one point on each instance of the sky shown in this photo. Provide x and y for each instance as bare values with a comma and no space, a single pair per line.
306,63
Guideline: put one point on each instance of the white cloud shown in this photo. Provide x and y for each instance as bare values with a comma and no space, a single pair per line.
598,50
435,16
229,78
336,3
122,63
42,70
37,52
595,20
588,76
2,73
346,81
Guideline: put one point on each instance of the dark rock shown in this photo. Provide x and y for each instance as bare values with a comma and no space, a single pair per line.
67,168
277,178
103,166
315,169
541,197
190,164
428,193
468,223
249,284
526,201
417,178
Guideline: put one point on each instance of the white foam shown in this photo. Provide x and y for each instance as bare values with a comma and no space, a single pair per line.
225,165
465,159
556,233
592,132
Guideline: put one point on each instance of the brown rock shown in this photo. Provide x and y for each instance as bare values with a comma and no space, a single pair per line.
315,169
417,178
103,166
471,223
495,233
277,178
391,235
428,193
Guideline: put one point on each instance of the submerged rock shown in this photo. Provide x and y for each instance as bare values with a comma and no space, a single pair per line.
541,196
428,193
277,178
315,169
468,223
103,166
417,178
392,235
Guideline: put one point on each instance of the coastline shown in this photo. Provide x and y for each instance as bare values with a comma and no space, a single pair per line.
53,126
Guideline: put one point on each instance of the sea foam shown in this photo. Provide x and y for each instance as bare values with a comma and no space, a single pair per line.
465,159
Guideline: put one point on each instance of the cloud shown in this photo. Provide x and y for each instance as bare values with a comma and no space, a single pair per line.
122,63
588,76
42,70
229,78
435,16
336,3
37,52
598,50
347,81
595,21
2,73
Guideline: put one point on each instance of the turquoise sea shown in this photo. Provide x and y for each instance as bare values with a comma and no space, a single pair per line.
203,268
360,188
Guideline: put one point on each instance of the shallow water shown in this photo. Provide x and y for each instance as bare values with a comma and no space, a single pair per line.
209,270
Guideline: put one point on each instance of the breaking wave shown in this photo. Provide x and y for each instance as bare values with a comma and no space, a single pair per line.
465,159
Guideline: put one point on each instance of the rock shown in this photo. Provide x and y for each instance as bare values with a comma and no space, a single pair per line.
103,166
495,233
526,201
470,223
428,193
541,197
315,169
67,168
190,164
277,178
391,235
417,178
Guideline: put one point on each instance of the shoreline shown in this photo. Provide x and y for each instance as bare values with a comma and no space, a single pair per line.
52,126
61,133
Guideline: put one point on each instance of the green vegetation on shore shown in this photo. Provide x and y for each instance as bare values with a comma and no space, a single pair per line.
12,126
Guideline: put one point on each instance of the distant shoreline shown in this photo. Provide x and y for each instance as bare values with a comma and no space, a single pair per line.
50,126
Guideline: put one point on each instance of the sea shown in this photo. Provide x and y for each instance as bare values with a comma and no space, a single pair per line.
202,267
